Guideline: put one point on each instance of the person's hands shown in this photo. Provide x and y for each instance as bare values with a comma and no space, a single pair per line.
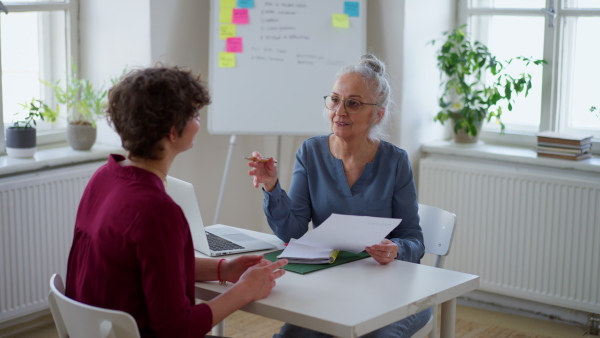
259,279
385,252
232,269
263,172
255,279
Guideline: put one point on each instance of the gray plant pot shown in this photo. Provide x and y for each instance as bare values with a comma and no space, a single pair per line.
21,142
81,136
463,138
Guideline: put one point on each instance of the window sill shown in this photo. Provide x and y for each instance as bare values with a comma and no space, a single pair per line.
55,157
509,154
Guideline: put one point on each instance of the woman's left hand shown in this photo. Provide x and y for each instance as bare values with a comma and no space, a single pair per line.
232,269
385,252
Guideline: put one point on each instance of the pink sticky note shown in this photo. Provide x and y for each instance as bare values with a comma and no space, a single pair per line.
234,45
240,16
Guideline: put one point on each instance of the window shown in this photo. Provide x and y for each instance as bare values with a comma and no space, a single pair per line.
36,43
562,32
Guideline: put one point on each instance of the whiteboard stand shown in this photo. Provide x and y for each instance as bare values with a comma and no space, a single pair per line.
220,328
232,141
224,181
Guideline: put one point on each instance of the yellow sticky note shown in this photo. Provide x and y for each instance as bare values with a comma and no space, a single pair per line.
340,21
226,60
227,31
225,15
228,3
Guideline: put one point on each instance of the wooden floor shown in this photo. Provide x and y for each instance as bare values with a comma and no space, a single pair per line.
470,323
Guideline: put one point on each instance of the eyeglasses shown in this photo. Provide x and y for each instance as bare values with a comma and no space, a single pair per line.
352,106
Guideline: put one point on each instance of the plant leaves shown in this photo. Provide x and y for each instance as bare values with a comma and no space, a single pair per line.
476,85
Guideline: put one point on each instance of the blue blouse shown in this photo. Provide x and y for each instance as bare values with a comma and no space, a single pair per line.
319,188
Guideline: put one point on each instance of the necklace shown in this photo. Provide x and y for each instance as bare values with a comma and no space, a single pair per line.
355,163
349,170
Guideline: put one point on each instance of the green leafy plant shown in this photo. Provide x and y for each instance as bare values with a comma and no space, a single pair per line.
37,110
467,98
83,101
595,110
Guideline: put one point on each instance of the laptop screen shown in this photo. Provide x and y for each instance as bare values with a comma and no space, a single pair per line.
183,193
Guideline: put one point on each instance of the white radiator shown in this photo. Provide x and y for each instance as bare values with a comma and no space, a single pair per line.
37,215
531,233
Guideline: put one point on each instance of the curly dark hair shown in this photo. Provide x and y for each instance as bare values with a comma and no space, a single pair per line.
147,103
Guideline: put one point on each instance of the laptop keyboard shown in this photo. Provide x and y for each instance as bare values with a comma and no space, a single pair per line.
217,243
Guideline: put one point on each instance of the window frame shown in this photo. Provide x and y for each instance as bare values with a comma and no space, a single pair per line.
71,9
551,118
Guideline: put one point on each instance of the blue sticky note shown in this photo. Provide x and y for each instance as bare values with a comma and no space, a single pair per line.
245,3
351,8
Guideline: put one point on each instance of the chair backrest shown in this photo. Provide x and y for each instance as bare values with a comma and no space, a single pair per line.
75,319
438,229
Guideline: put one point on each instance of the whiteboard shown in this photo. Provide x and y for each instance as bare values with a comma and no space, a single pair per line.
290,54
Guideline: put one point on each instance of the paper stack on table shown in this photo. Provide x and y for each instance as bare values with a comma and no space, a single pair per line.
339,232
305,254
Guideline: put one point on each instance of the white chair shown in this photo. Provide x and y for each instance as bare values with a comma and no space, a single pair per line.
438,229
75,319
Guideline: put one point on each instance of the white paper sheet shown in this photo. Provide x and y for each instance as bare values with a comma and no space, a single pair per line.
349,233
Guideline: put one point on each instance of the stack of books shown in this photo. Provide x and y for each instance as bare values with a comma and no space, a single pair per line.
564,146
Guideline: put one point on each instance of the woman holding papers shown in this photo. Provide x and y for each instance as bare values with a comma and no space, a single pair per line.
350,171
132,248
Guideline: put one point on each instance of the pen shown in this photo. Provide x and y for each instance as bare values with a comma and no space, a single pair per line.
262,160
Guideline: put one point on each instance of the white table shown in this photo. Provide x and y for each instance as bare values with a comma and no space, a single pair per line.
358,297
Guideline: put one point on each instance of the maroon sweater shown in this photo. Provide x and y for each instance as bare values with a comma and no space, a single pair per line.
132,251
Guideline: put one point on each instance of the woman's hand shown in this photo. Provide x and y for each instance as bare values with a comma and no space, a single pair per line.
232,269
263,172
259,279
384,253
256,282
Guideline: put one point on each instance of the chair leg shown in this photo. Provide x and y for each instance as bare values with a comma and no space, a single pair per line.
219,329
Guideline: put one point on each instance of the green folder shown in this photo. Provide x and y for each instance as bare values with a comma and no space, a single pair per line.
342,258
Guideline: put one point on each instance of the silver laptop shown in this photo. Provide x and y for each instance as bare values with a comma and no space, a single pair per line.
213,242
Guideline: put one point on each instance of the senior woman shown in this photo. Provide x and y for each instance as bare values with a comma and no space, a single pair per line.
132,247
350,171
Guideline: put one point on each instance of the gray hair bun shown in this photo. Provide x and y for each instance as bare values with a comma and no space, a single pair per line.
373,62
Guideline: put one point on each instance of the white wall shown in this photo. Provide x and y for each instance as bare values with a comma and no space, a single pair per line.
113,35
398,32
116,34
425,20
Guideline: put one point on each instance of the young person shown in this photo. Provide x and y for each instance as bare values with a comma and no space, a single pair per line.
132,248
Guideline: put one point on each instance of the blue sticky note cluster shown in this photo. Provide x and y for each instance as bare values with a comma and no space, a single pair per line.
245,3
351,8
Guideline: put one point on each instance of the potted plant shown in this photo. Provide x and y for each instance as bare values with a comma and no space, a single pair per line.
467,98
21,137
84,105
